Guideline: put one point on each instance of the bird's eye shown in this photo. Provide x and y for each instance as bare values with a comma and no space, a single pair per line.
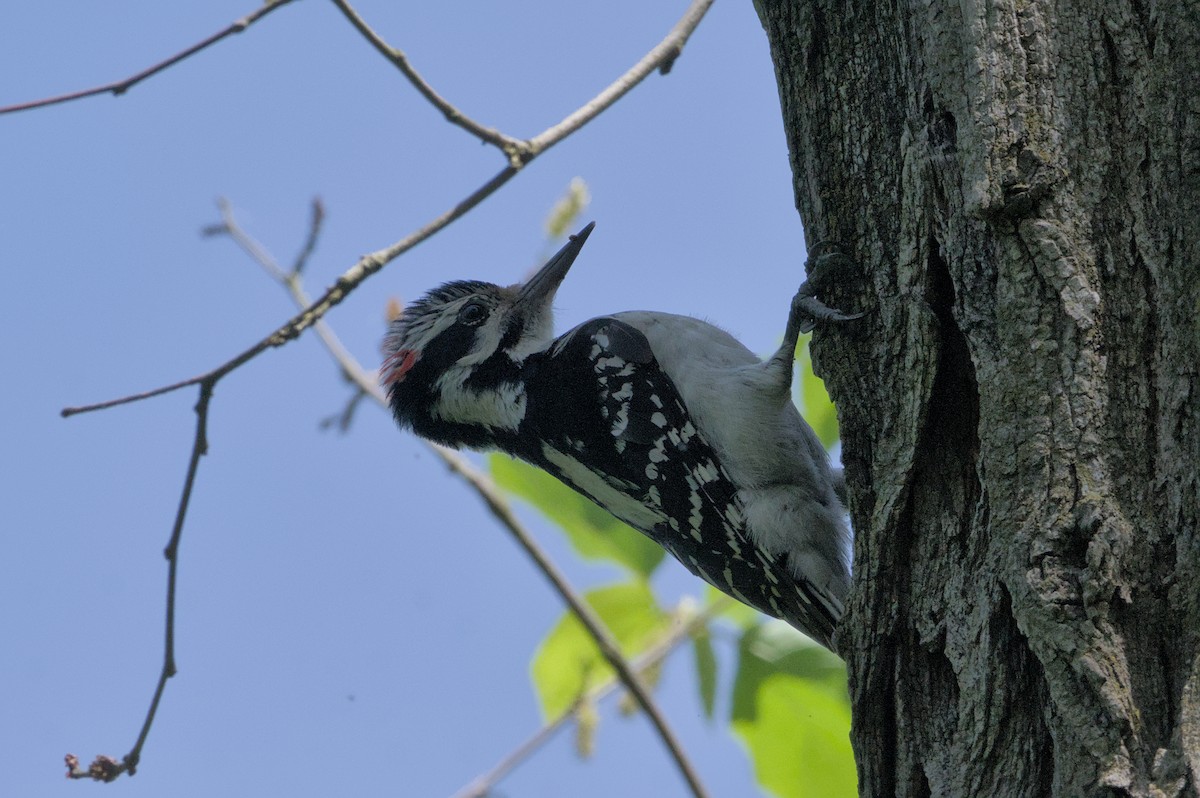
473,313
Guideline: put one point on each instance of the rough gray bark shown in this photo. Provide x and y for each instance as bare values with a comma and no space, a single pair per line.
1020,182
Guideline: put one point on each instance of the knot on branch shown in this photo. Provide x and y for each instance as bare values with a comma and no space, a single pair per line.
102,768
520,152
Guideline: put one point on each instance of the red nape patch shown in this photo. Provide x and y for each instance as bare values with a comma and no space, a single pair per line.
397,365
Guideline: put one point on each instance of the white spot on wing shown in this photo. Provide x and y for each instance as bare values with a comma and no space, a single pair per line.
705,472
621,421
737,594
696,517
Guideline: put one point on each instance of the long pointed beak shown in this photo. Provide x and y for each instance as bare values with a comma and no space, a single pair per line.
538,289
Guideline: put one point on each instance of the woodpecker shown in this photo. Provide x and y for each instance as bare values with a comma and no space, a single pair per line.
666,421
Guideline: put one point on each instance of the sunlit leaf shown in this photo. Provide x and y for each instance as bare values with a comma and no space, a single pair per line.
817,408
791,710
593,532
568,662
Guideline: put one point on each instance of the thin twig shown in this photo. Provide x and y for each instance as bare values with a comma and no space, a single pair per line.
495,501
292,281
368,265
315,220
591,622
105,768
398,59
121,86
661,57
67,412
257,252
333,296
482,785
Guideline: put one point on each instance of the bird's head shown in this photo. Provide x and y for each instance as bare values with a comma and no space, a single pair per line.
452,360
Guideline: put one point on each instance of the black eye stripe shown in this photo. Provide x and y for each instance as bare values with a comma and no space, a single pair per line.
473,313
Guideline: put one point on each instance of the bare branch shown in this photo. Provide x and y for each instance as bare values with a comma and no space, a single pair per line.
105,768
121,86
67,412
295,288
666,52
482,785
662,57
345,418
314,232
257,252
311,315
398,59
608,647
496,503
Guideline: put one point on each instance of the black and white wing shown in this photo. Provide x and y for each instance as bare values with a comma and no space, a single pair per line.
617,431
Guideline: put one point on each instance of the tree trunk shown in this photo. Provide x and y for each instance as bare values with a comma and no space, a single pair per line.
1020,185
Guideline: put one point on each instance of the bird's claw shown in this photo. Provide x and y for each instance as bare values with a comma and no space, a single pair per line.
807,309
811,310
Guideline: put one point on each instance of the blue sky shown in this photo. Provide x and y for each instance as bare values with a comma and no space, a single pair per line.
350,621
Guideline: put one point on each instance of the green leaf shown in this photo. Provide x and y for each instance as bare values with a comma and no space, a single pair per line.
567,662
799,742
706,669
818,409
772,648
592,531
792,712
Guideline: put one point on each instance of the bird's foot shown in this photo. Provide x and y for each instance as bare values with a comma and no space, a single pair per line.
807,309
